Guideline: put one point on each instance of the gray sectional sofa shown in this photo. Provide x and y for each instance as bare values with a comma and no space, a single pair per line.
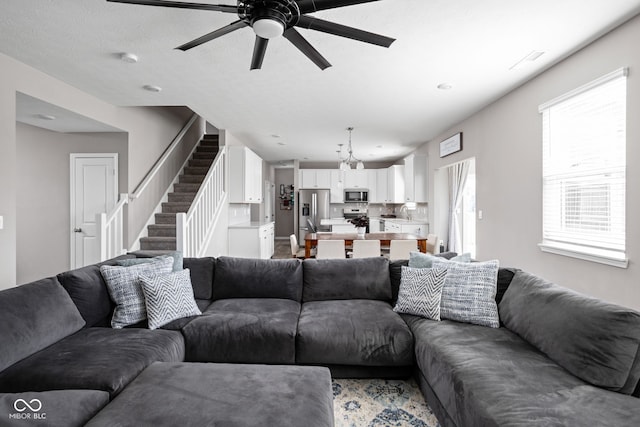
271,331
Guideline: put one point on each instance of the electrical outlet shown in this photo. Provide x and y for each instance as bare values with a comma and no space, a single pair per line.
479,214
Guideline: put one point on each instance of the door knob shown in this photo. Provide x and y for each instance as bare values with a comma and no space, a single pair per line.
77,230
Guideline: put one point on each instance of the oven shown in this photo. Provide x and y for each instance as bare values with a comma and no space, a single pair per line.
351,213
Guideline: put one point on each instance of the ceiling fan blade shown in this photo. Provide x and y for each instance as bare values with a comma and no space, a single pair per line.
343,31
308,6
259,49
303,45
181,5
213,35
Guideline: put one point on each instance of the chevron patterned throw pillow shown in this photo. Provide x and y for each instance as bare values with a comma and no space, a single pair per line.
420,292
168,297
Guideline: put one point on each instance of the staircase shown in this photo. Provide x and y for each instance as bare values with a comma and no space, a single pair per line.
162,234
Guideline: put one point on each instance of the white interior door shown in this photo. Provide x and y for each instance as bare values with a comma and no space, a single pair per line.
94,188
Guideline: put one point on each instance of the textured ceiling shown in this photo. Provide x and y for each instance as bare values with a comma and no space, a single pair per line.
389,96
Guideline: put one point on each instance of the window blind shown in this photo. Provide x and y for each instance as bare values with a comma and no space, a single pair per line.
584,167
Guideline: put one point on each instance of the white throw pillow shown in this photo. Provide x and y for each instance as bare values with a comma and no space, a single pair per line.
469,292
168,297
124,289
420,292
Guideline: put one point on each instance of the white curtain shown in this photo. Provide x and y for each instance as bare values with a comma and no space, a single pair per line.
457,180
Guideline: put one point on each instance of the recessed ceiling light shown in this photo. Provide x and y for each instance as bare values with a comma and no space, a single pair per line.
45,116
378,146
281,143
531,56
130,58
445,86
152,88
275,135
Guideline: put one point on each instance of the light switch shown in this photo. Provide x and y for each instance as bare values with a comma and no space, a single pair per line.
1,222
479,214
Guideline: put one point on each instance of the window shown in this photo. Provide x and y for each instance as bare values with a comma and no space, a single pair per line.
584,169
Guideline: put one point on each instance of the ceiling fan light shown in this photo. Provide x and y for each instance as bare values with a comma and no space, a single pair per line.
360,165
268,28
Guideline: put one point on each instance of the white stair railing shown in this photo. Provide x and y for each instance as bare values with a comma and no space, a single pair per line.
110,230
194,228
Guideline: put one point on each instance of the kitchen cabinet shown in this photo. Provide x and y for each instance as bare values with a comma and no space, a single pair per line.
403,226
391,227
395,184
415,178
343,228
245,175
315,178
252,240
417,229
337,187
379,192
354,178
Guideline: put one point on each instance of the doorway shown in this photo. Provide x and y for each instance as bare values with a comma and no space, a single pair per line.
94,189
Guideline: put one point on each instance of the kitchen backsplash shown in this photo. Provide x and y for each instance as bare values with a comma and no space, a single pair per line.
377,210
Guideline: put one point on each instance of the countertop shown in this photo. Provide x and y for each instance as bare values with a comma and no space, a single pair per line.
402,221
334,221
251,224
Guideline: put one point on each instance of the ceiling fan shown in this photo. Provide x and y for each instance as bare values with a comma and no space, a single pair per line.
273,18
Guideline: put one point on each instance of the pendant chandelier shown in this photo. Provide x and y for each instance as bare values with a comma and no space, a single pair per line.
350,161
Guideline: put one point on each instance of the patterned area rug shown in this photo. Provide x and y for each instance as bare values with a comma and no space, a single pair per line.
378,403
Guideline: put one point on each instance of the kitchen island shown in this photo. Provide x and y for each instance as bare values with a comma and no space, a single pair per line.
311,239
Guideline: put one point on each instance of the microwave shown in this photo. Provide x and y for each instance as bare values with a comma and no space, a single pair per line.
351,196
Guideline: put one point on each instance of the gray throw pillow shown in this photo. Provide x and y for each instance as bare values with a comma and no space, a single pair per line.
469,292
421,291
124,289
422,260
168,297
176,255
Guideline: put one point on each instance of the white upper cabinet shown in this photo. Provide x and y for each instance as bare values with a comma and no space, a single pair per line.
354,178
337,187
245,173
315,178
378,194
415,178
395,184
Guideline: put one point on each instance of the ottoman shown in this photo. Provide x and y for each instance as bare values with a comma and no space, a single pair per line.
229,395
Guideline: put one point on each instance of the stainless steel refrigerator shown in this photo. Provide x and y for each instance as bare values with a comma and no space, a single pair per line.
313,206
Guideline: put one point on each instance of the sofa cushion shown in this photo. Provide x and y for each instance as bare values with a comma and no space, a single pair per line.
257,278
481,374
353,332
34,316
224,395
202,271
95,359
168,297
594,340
89,293
125,290
341,279
421,292
69,408
244,330
469,292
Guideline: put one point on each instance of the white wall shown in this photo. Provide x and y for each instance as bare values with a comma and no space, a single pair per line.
149,130
43,200
506,140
